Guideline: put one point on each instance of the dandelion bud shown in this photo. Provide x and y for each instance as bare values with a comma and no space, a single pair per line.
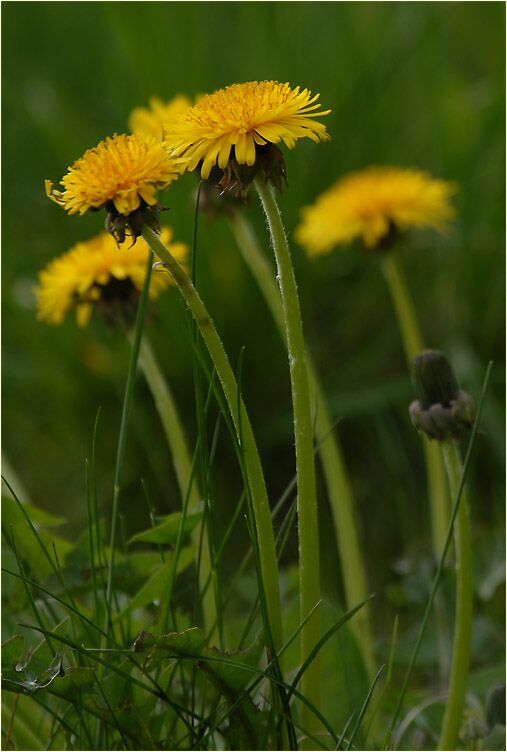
442,410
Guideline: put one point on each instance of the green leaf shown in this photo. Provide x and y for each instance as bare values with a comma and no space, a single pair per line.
11,514
495,706
167,531
12,651
155,587
75,681
138,566
494,740
14,522
235,678
191,642
26,680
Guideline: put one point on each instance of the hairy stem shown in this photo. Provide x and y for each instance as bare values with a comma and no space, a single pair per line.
333,466
309,565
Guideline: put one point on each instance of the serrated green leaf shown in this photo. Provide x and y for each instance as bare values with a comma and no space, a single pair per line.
167,531
235,677
245,724
191,642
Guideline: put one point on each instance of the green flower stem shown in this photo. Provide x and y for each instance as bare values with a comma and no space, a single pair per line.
410,331
187,483
464,605
335,473
309,569
413,345
260,503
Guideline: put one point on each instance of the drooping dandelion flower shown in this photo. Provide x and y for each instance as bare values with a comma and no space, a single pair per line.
372,204
98,273
236,125
122,174
150,120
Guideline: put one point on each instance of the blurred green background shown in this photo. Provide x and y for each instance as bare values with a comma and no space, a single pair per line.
410,84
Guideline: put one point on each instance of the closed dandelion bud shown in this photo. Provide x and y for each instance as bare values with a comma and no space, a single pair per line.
442,410
433,378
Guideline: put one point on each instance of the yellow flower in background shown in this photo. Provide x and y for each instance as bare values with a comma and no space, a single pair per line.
150,120
371,204
98,272
244,116
122,171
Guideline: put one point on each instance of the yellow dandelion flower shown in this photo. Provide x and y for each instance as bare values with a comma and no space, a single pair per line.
150,121
98,272
124,170
372,204
247,117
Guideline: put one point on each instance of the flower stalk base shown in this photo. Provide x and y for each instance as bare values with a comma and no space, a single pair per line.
464,605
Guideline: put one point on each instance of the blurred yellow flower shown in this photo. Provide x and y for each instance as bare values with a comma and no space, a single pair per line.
371,204
120,173
98,272
244,116
150,120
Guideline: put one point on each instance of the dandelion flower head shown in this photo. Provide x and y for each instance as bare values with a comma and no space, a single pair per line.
98,273
150,120
371,204
122,171
244,117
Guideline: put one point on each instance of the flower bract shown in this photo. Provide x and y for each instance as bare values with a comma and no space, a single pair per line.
370,204
124,172
236,121
150,120
98,273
